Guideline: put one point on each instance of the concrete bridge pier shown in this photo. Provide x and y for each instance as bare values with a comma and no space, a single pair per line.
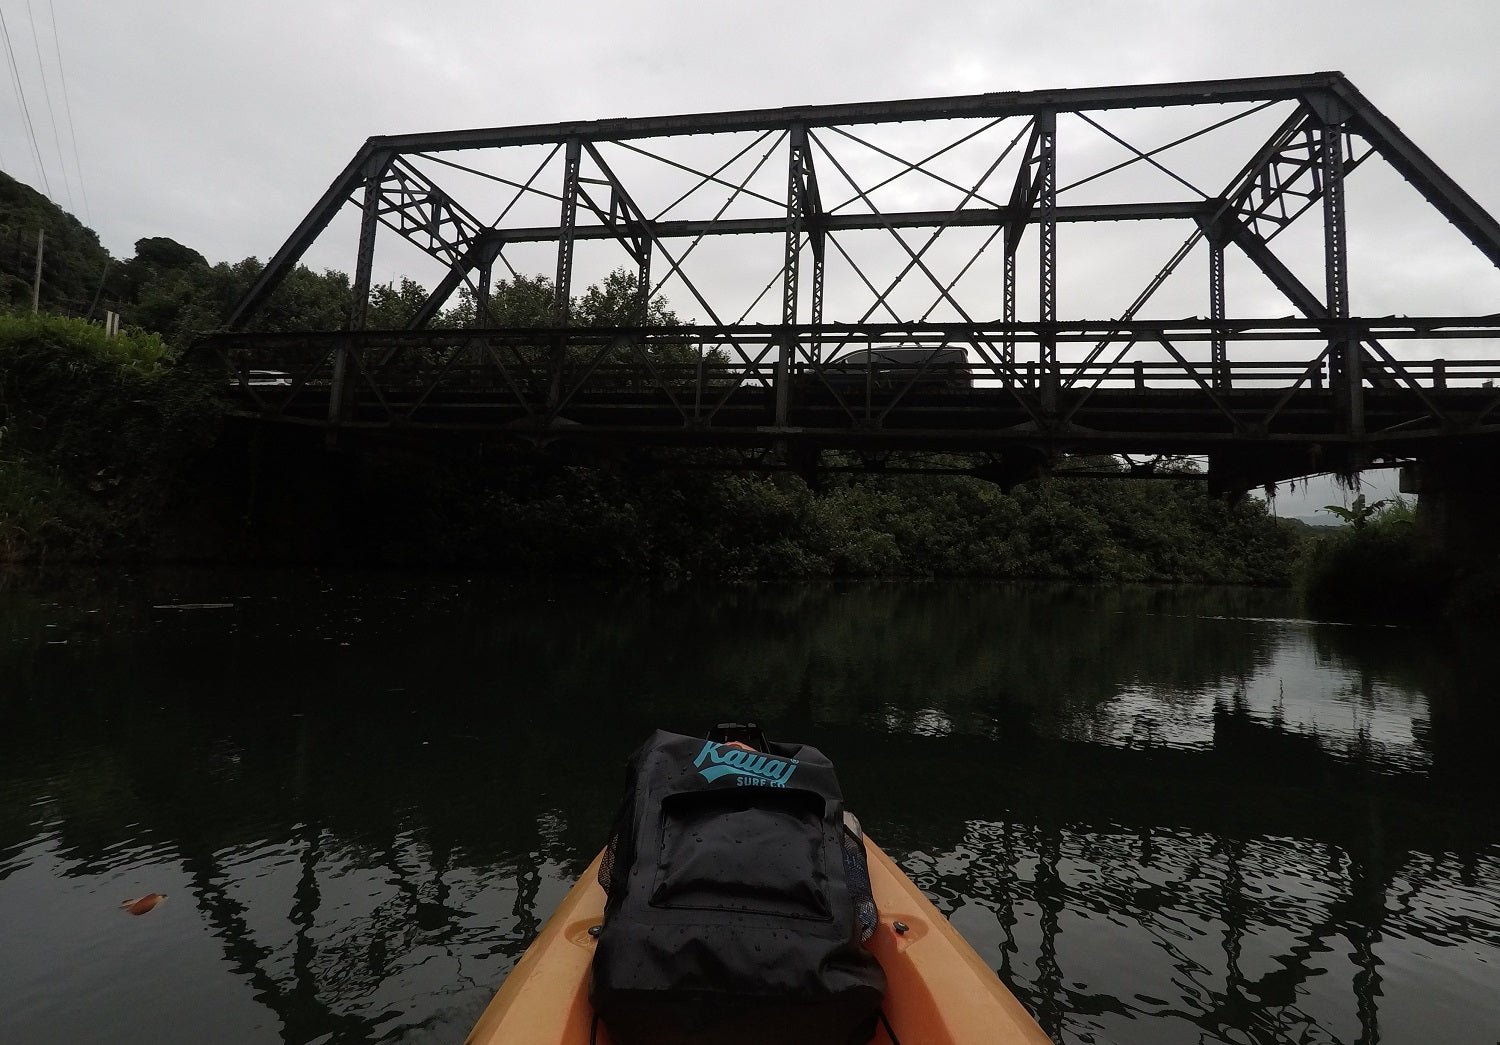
1458,506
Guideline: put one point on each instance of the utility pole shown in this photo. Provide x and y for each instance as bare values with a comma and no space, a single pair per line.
36,284
98,290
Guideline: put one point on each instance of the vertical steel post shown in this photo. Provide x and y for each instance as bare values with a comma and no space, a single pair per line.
795,221
1046,125
1220,362
640,309
643,281
816,304
1347,354
345,363
562,284
1008,350
1023,198
486,275
796,214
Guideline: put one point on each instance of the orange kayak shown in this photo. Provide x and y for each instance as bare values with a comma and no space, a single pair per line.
939,991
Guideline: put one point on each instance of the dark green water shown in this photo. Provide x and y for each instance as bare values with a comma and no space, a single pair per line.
1162,815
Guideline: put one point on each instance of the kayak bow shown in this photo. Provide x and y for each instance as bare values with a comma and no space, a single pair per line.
939,991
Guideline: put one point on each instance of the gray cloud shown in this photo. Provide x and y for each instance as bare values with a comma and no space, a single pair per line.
219,124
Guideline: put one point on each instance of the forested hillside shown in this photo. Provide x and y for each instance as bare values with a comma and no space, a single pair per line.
74,265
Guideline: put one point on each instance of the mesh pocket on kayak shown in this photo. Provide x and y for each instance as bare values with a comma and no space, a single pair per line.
857,872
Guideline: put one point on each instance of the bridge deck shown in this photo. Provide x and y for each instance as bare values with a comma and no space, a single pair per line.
1282,411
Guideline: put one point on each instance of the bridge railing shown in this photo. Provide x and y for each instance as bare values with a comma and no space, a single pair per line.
702,377
1138,375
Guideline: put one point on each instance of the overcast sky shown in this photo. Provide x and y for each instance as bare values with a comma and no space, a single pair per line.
219,125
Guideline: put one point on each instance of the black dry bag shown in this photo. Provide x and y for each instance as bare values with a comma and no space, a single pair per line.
738,902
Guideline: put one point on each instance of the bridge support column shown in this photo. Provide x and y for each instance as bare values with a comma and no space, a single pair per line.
1458,507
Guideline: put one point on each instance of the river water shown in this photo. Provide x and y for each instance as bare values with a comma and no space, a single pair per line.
1162,815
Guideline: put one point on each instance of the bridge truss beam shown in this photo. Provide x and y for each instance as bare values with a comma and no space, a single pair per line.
884,219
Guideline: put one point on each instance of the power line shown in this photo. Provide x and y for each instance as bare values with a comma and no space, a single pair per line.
15,74
68,110
41,71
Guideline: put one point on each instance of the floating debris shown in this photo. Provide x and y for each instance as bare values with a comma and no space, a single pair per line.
142,904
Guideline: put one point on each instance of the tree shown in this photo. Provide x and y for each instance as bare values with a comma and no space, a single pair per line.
615,301
169,288
305,300
154,257
393,304
525,301
1359,513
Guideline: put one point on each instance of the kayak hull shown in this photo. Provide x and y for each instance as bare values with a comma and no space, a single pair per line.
939,991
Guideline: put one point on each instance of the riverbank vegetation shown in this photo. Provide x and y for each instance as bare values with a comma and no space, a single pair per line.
678,521
96,436
110,451
1379,567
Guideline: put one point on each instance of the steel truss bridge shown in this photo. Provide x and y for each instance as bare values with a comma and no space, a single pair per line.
795,236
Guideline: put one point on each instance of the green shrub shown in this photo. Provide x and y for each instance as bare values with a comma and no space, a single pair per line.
97,433
50,341
1374,568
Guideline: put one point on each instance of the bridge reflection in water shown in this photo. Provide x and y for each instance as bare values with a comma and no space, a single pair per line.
1161,815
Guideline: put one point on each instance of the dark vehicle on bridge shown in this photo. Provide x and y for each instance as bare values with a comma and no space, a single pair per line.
890,368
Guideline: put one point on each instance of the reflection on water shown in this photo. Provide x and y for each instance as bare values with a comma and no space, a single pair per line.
1162,815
